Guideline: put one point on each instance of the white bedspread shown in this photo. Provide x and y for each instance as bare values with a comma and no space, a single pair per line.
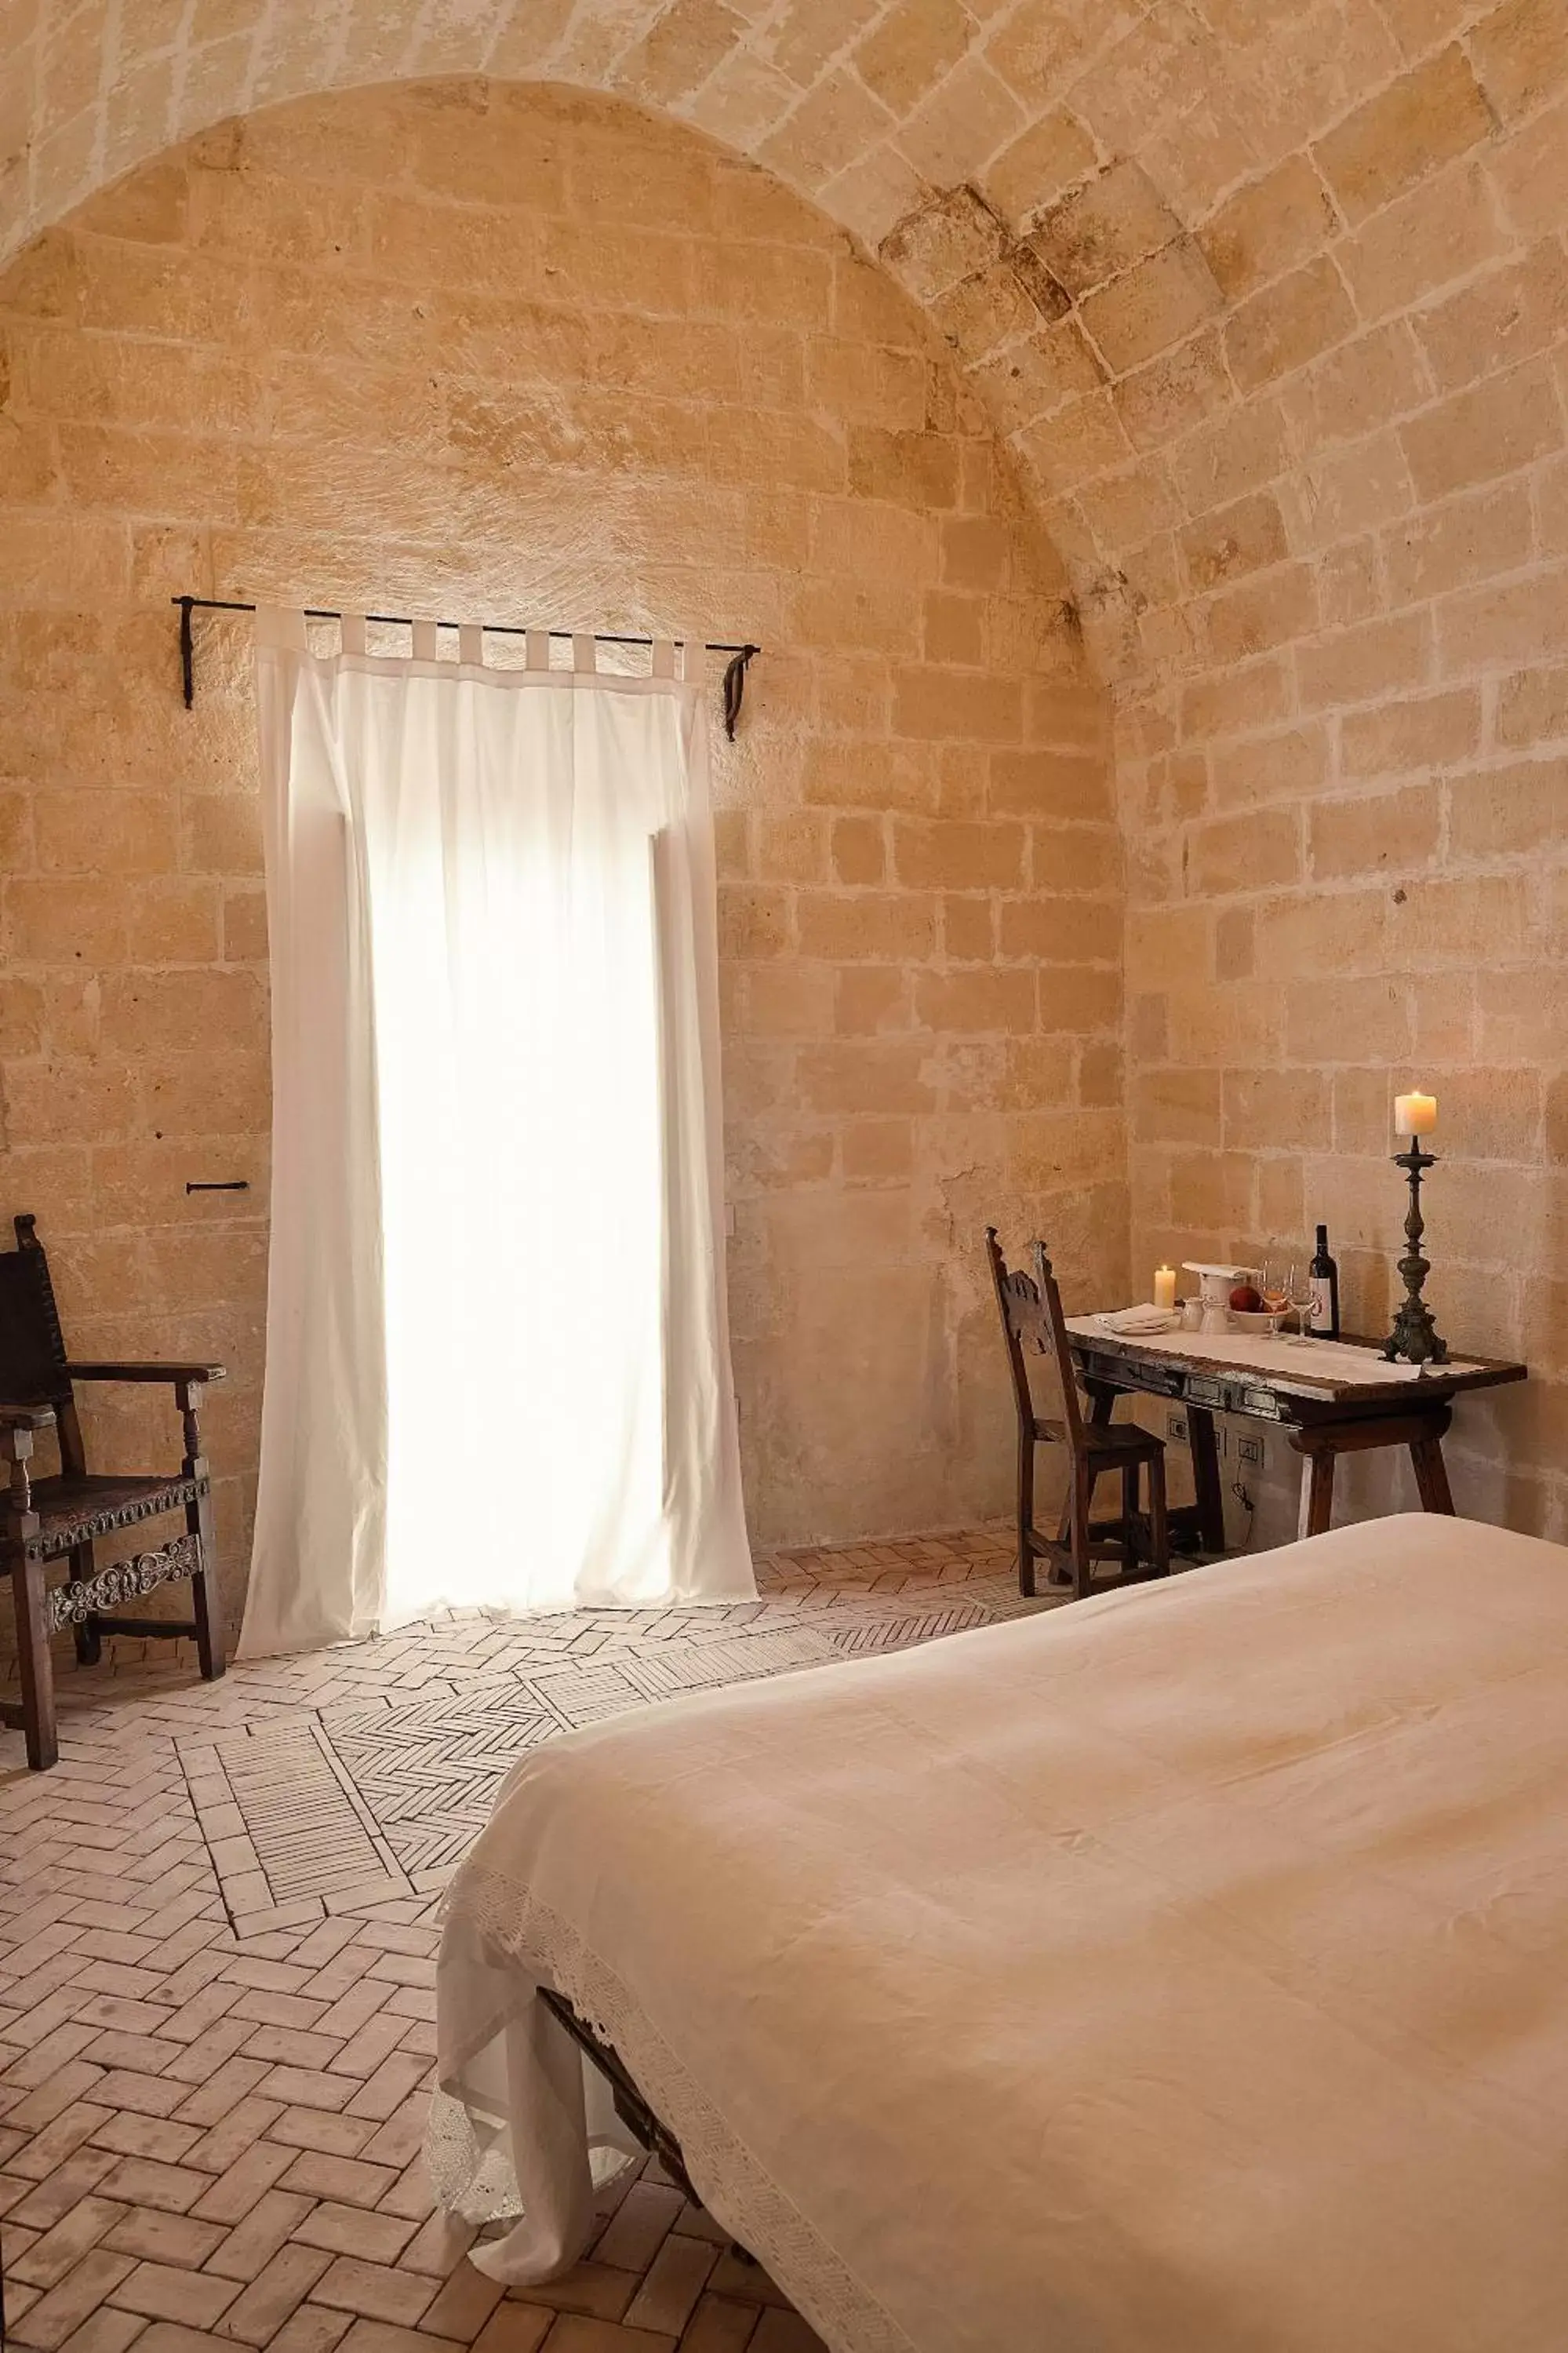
1185,1971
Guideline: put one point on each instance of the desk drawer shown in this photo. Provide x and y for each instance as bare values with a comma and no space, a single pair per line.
1127,1376
1240,1396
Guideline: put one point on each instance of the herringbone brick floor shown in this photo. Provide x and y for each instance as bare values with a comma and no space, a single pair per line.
216,1941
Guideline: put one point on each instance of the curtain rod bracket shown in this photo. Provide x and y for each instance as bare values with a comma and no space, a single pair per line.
735,670
741,656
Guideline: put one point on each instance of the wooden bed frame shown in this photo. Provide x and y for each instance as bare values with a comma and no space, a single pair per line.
630,2106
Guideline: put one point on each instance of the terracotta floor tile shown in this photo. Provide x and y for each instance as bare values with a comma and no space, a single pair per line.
168,2292
720,2325
351,2230
256,2316
59,2312
210,2125
675,2280
515,2328
374,2290
159,2237
574,2334
107,2330
45,2262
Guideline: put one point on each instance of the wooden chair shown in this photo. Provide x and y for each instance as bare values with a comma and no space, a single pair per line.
61,1517
1034,1326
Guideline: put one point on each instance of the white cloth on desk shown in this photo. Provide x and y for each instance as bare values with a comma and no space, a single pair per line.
1322,1362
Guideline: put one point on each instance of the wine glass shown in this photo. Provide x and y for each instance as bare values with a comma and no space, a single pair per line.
1275,1283
1302,1298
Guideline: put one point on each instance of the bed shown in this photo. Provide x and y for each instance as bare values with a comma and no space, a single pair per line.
1183,1972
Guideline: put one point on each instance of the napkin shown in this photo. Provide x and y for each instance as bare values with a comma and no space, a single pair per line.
1145,1319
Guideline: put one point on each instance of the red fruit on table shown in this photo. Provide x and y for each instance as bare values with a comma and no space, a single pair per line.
1246,1299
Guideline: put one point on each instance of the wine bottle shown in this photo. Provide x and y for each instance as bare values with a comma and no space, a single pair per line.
1323,1316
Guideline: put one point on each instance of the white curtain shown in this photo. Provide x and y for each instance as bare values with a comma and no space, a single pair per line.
497,1359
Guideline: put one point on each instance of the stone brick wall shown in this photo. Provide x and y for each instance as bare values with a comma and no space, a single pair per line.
1268,304
493,352
1343,728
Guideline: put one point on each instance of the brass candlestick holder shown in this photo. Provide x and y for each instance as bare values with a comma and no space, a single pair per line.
1414,1334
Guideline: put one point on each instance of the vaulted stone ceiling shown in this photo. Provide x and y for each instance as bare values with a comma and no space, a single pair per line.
1134,219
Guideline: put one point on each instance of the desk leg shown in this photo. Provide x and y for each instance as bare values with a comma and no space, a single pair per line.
1207,1489
1317,1506
1320,1444
1432,1472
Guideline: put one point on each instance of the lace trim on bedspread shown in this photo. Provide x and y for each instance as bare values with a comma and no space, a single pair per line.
740,2194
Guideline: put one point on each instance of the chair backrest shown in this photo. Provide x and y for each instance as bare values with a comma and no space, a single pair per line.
32,1347
1034,1327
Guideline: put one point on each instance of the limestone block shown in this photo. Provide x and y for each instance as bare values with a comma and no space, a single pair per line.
1291,764
883,926
1510,811
1532,706
910,50
1393,833
1461,540
1432,238
1174,1106
1519,53
1250,852
1268,226
1158,302
1431,114
1103,228
1327,1020
1489,430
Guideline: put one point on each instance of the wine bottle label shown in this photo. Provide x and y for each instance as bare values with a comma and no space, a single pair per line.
1321,1316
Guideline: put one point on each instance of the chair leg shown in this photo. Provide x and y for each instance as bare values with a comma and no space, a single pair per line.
36,1667
89,1641
1159,1526
206,1601
1082,1499
1130,1553
1025,1512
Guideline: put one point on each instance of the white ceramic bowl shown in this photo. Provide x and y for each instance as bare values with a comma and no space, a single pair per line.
1241,1322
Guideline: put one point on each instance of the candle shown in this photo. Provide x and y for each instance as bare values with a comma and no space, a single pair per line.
1164,1286
1414,1114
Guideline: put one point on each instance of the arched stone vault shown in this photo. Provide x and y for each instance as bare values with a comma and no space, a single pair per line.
1134,219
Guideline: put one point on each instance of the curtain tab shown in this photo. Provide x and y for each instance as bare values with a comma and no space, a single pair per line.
353,633
471,645
425,647
663,658
694,665
584,657
277,625
539,650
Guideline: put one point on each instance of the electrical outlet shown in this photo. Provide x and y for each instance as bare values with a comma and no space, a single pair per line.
1250,1451
1177,1429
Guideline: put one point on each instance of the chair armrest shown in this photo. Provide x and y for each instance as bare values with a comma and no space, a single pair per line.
172,1372
26,1417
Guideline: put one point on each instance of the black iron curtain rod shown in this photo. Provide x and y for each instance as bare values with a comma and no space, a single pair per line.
734,670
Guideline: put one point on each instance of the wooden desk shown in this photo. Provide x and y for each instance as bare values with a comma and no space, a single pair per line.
1332,1397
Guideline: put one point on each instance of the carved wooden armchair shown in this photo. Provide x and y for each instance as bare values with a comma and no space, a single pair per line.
60,1518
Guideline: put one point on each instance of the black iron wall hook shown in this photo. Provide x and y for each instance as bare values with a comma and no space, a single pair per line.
735,669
